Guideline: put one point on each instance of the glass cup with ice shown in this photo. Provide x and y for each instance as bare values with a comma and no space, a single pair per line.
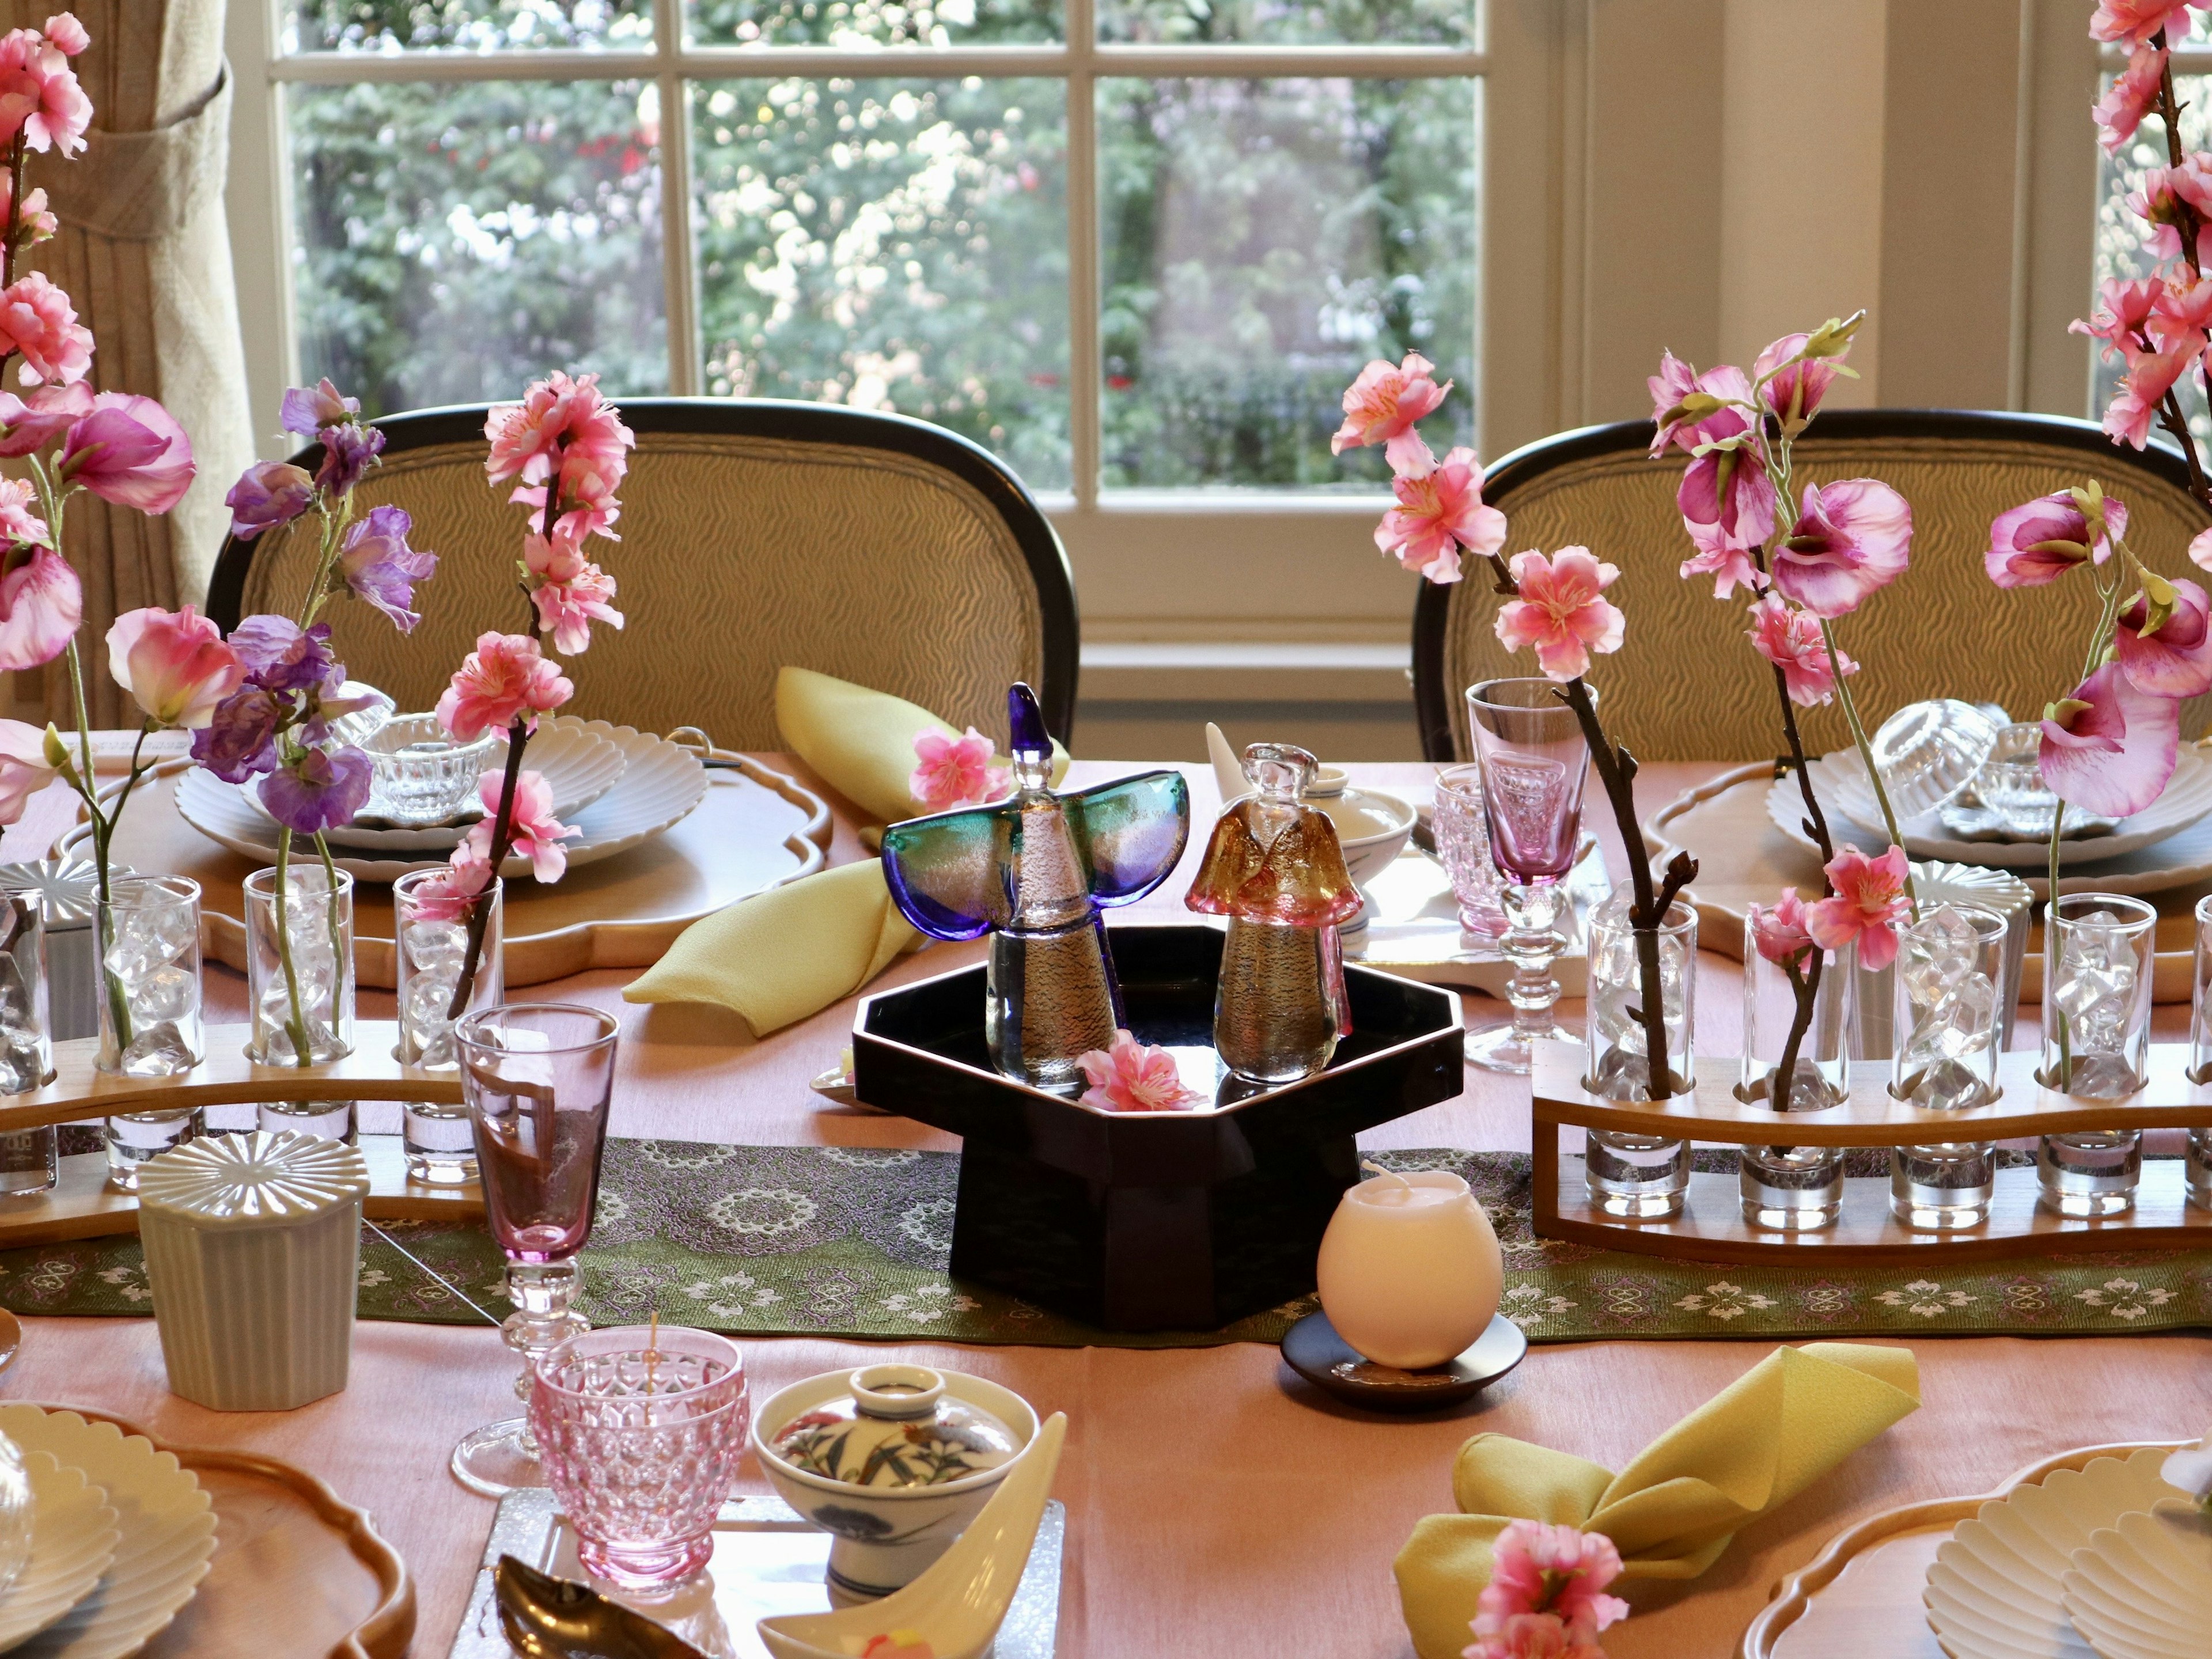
150,1021
433,942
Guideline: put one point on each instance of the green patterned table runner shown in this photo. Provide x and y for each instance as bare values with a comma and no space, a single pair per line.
853,1241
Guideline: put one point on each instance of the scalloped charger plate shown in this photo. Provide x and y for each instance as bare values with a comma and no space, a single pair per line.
2141,1588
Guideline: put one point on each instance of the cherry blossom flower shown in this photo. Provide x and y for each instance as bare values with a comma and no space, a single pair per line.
1798,386
2135,22
1730,566
23,768
2200,549
537,835
129,451
955,771
320,789
19,525
381,569
1533,1636
2182,310
1780,932
1383,404
2176,661
1545,1597
571,591
1440,510
36,222
1561,611
2039,541
568,422
1131,1078
41,603
2108,746
2132,96
451,893
38,322
1870,899
65,34
2150,376
2170,200
505,679
1791,638
174,665
268,494
40,100
1853,537
1727,498
2120,322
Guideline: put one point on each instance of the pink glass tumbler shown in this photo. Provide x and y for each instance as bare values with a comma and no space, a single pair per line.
1534,761
641,1433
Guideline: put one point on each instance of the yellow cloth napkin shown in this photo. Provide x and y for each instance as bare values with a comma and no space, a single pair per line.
1754,1446
778,957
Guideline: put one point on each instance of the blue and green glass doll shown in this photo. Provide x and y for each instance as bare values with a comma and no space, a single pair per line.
1036,872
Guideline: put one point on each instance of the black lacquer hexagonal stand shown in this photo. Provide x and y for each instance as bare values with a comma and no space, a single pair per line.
1151,1221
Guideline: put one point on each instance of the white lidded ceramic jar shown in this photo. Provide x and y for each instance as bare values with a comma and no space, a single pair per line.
1410,1271
253,1254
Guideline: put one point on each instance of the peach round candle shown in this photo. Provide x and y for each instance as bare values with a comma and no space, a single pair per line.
1410,1270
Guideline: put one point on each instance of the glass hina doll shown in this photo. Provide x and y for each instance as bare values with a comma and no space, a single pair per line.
1274,869
1036,872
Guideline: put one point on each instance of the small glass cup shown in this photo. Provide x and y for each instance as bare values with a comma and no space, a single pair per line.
418,774
30,1159
2096,1043
147,932
1533,760
1949,982
1462,837
538,1077
431,941
1794,1188
303,1007
1638,1177
2198,1165
641,1432
1930,751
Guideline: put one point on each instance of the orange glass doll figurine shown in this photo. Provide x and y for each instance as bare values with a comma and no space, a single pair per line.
1274,869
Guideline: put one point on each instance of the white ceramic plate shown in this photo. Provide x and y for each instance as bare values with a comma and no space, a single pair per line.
2142,1589
659,786
168,1532
1994,1592
73,1538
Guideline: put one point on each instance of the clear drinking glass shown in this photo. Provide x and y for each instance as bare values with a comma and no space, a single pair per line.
150,1025
2096,1043
538,1077
431,941
641,1432
1794,1188
30,1159
303,1008
2199,1166
1462,836
1534,761
1950,972
1929,752
418,774
1638,1177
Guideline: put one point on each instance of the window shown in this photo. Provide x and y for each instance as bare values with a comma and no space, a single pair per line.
1130,245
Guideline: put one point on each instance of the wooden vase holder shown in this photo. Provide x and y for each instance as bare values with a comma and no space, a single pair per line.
1711,1225
81,1205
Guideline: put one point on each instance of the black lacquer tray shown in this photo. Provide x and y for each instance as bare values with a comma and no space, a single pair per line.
1151,1221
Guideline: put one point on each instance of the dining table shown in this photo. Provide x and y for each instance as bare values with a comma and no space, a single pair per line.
1216,1504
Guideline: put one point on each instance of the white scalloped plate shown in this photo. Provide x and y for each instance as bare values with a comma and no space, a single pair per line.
2143,1589
167,1525
1994,1590
73,1538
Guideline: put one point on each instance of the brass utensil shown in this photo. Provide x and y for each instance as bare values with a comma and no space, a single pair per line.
549,1618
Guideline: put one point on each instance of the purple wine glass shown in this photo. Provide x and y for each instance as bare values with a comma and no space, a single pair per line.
1534,760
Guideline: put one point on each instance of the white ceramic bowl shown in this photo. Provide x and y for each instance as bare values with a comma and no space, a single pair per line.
884,1535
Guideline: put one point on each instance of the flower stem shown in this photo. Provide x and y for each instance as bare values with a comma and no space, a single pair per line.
503,839
1866,754
296,1027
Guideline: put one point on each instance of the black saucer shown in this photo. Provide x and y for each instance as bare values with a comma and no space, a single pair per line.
1318,1354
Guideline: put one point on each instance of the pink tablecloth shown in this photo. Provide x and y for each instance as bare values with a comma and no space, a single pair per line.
1215,1505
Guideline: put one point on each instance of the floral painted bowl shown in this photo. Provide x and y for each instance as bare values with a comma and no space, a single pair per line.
884,1535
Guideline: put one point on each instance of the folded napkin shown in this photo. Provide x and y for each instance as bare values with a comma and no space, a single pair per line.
1752,1446
778,957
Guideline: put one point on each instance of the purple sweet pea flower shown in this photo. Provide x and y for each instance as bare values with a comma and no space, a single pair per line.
307,409
241,741
380,566
267,495
321,790
279,656
347,451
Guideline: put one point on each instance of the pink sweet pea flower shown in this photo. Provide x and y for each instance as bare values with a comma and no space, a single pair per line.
1869,900
2110,746
23,768
1795,392
1440,510
40,101
1727,498
955,771
537,835
2150,376
1780,932
1853,537
19,525
2120,322
129,451
1730,566
1790,640
572,592
1383,404
29,422
38,322
2134,21
2039,541
2132,96
2200,549
1674,381
505,679
174,665
1131,1078
2176,661
42,603
1560,612
1674,424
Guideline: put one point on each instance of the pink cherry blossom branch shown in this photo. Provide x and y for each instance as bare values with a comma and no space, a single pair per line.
2170,415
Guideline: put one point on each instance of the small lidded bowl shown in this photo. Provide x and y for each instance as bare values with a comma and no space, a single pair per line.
894,1461
420,775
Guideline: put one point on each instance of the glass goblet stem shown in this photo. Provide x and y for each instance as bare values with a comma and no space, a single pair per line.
1532,944
542,1292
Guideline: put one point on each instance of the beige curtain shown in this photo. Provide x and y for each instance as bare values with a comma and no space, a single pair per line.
144,253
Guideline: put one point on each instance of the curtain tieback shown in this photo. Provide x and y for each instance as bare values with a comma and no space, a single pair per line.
145,187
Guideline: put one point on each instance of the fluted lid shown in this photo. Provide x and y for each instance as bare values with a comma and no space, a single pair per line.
257,1180
69,887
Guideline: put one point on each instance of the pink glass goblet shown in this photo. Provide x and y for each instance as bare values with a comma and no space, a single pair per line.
538,1079
641,1433
1533,760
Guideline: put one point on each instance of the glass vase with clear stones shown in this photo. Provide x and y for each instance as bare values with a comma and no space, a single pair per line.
1638,1177
2199,1155
148,934
431,944
1794,1188
30,1159
1950,967
2096,1044
302,1000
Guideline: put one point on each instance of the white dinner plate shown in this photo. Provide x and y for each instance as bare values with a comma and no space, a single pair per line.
2142,1588
73,1538
168,1524
660,787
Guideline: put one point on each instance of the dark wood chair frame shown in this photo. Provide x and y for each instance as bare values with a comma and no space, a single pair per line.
1432,695
793,423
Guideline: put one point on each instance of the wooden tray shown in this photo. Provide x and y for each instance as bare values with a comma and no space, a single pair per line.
756,828
293,1562
1860,1596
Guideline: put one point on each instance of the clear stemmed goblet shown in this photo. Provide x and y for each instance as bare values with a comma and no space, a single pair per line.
538,1078
1533,760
